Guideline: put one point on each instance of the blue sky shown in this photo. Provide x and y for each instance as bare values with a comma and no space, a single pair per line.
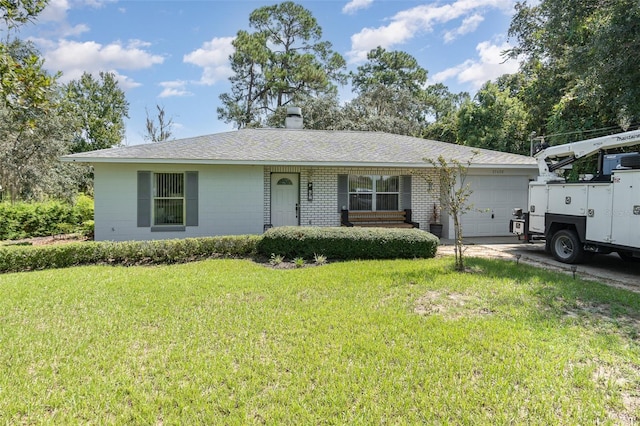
175,53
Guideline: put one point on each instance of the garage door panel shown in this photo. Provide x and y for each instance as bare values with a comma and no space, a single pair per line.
504,196
493,200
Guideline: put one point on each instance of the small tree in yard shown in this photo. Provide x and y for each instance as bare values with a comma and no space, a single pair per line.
455,193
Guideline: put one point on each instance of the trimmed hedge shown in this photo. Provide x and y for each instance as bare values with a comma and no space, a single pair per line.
27,220
291,242
348,243
24,258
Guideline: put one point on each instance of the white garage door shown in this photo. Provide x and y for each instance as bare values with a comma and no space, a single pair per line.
493,198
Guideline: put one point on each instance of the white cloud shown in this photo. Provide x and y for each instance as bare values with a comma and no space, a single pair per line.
407,24
96,3
56,10
174,88
469,25
56,13
74,58
124,82
213,58
354,5
489,65
67,31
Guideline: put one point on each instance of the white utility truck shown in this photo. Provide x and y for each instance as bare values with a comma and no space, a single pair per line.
578,219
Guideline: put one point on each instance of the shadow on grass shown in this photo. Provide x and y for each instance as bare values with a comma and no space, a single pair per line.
606,261
593,329
554,296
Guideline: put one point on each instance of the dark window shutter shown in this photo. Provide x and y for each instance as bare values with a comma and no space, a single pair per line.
144,199
406,191
343,192
191,196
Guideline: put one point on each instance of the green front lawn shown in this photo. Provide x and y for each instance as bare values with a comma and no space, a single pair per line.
394,342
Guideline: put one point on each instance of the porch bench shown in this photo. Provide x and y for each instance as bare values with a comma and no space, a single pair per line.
381,219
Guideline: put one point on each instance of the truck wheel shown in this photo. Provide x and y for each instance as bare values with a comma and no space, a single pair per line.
566,247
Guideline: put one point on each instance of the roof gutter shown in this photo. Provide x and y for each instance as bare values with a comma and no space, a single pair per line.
420,165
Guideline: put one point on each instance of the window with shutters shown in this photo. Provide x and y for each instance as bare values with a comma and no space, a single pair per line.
168,199
374,193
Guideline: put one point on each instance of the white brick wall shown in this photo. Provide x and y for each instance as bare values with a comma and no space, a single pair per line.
323,210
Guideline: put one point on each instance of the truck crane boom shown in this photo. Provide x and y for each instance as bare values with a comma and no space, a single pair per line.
595,216
555,157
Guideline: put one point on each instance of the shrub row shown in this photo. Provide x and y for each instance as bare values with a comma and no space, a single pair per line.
27,220
26,258
290,242
348,243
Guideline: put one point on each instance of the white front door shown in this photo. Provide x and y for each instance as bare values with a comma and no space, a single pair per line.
284,199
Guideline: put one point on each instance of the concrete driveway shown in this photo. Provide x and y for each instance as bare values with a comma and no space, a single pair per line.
607,269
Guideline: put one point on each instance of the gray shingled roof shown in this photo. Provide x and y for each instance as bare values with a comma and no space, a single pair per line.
301,147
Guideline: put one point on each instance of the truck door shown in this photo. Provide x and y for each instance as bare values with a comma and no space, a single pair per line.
599,218
625,230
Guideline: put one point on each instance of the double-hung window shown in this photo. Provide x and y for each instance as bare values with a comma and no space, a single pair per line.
374,193
168,199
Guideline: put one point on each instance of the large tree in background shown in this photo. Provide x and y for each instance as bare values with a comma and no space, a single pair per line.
24,84
494,119
442,111
34,125
390,97
243,106
390,69
390,94
322,112
282,61
100,107
371,112
580,59
29,156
